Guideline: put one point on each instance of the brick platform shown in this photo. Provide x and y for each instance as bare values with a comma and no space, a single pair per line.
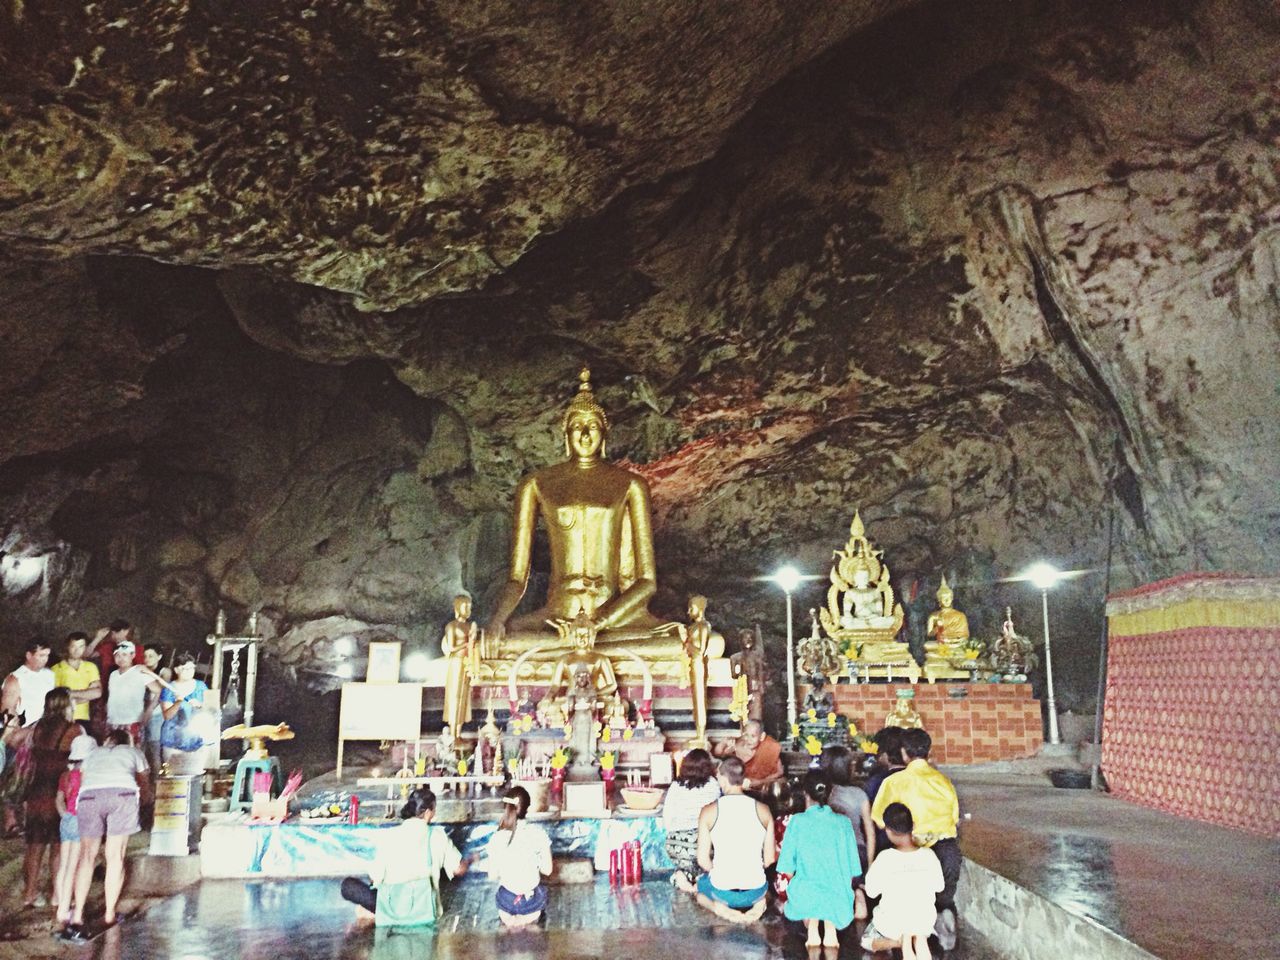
969,722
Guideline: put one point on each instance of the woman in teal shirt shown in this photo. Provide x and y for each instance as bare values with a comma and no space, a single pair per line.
821,856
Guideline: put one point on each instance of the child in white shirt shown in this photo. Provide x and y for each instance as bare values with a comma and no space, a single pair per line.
906,878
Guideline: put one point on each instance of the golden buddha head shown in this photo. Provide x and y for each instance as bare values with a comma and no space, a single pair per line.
462,607
945,595
585,424
697,607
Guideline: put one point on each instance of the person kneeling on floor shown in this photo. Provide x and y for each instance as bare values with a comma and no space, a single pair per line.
906,878
405,873
735,844
519,856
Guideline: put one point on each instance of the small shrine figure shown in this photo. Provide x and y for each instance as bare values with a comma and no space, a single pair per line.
445,754
616,713
819,699
1012,655
583,679
948,631
904,712
461,644
696,641
522,707
816,655
747,669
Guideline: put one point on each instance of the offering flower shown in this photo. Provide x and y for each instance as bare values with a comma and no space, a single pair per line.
462,768
869,746
606,735
559,759
831,720
795,729
607,760
813,745
813,714
513,766
853,729
628,733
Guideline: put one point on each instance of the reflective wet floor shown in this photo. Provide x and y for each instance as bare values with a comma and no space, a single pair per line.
1181,889
282,920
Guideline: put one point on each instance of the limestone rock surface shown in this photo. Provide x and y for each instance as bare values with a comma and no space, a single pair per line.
285,313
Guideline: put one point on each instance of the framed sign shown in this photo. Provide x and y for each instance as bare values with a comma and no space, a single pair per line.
661,769
384,662
378,711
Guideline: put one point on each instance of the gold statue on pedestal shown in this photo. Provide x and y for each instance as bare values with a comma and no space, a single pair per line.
461,645
696,638
861,613
948,630
597,518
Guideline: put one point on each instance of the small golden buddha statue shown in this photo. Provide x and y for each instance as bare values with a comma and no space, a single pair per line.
948,630
598,523
583,678
696,638
904,714
461,645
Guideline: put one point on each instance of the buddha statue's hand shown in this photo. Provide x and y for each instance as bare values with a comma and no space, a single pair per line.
489,643
491,638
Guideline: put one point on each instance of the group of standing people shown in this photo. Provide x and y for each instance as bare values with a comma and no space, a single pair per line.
74,779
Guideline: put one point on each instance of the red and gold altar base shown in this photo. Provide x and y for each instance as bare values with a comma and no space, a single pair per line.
969,722
1193,694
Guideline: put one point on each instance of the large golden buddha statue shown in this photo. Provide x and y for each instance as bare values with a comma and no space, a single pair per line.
861,613
948,632
597,519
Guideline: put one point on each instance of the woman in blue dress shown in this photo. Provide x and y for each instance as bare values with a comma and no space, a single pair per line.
821,856
179,701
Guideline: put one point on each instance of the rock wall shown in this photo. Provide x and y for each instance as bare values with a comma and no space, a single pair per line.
1003,275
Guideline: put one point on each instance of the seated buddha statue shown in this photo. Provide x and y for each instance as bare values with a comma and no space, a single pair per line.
583,678
597,518
863,606
948,632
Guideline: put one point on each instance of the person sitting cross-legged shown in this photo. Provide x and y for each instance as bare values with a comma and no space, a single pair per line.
735,844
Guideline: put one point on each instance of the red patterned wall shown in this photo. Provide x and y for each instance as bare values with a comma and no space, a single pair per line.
1192,718
969,722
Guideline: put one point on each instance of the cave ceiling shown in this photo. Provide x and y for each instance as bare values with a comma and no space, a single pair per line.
291,294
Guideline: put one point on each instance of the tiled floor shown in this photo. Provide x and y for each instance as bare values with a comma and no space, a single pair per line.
284,920
1181,889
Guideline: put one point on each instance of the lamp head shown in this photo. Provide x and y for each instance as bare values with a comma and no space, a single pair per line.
788,578
1044,576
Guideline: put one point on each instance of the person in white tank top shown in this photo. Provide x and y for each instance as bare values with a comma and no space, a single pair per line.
24,690
735,844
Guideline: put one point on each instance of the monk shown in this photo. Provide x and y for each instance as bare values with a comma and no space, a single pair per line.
761,755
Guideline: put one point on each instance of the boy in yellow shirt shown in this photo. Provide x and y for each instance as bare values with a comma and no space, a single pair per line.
78,675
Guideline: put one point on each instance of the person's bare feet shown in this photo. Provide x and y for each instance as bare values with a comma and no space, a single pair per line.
365,916
683,883
830,938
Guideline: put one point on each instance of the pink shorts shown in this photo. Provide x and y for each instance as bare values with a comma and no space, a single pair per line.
111,813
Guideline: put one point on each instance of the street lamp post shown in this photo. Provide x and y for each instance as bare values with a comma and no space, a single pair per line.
1044,578
788,578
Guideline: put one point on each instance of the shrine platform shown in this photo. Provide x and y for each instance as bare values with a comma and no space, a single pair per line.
969,722
230,847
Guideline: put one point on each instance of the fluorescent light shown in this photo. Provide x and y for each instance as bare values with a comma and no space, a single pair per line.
1044,576
788,578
